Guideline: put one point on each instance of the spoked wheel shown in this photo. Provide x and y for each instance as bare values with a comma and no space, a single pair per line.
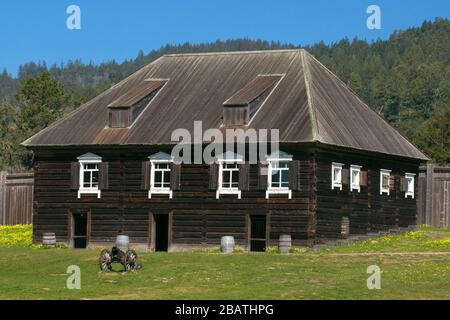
131,261
105,260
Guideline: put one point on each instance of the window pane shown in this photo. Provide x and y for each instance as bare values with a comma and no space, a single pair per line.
162,165
95,179
226,179
385,181
276,178
355,177
410,182
337,175
158,179
91,166
283,164
86,179
166,179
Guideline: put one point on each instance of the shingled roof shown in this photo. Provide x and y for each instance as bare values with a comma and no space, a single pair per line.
308,104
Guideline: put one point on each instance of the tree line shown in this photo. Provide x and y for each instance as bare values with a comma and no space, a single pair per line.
405,78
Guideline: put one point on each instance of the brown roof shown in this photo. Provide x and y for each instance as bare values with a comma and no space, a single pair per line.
308,104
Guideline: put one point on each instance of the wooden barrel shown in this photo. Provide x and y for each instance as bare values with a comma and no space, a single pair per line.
285,243
227,244
48,239
122,242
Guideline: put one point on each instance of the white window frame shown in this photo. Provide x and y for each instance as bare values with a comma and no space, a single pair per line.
220,188
159,190
355,185
408,191
277,190
81,188
334,182
384,172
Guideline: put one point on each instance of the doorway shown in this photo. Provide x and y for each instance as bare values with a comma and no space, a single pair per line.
161,232
79,230
257,232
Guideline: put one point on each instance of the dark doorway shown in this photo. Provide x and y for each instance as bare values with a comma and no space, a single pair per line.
257,232
79,230
161,232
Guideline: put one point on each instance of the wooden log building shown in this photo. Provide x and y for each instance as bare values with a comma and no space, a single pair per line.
106,168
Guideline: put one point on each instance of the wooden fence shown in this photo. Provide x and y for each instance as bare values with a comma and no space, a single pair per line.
433,203
16,198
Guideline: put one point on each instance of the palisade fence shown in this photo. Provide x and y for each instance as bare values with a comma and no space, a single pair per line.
16,198
433,203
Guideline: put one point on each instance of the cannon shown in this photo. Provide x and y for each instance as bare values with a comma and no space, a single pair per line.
119,253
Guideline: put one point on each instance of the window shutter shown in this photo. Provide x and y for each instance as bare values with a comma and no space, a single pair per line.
244,176
363,178
345,176
391,182
175,175
103,181
294,175
145,175
74,175
262,176
213,176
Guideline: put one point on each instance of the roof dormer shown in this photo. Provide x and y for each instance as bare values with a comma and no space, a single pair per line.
240,108
124,111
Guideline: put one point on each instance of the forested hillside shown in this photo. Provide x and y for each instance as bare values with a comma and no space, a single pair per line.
405,78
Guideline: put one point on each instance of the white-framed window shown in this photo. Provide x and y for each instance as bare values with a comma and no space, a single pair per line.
355,176
409,180
228,175
278,174
160,165
336,175
385,176
89,174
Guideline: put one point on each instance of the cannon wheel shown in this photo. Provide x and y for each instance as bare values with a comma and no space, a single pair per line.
104,260
131,261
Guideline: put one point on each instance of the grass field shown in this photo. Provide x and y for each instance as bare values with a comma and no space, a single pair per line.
413,266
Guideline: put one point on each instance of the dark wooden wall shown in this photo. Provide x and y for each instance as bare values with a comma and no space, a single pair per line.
197,217
367,210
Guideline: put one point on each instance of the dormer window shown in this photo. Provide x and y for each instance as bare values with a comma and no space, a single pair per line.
278,173
336,175
228,175
409,185
127,108
160,174
242,107
385,176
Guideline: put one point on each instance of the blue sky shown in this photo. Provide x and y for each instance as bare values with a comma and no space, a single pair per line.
118,29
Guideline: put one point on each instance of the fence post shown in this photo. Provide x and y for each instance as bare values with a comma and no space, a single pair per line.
429,195
2,197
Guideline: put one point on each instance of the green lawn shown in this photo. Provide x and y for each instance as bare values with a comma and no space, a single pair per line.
339,273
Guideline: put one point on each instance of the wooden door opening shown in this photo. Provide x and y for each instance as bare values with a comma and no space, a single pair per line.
80,230
161,232
257,232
